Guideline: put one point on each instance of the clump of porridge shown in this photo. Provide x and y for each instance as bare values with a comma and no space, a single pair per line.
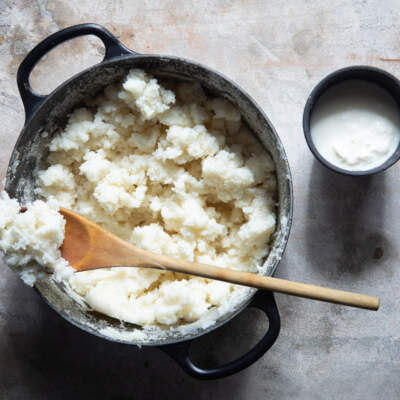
171,170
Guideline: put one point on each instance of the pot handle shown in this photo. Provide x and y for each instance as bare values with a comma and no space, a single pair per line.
180,352
32,100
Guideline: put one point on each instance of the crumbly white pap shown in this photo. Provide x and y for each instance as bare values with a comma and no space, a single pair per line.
172,171
31,240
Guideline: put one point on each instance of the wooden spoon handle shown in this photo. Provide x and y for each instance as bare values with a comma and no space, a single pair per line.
274,284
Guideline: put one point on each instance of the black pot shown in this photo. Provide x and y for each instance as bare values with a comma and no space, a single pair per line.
48,113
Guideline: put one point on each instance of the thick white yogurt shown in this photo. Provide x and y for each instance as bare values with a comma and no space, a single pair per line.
356,125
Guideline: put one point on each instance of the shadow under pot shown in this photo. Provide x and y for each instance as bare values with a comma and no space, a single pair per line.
351,121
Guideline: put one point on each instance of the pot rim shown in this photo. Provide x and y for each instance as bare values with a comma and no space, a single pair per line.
280,247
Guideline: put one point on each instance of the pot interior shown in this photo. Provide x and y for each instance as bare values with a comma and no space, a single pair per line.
30,151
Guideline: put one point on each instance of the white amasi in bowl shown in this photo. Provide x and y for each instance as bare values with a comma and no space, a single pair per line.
356,125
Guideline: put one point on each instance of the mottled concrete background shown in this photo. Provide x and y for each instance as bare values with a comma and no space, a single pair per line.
345,231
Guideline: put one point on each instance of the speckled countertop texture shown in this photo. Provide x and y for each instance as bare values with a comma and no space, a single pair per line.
345,230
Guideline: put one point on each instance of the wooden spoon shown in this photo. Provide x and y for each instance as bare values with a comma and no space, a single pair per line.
88,246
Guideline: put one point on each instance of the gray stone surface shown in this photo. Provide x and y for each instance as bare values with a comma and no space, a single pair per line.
344,233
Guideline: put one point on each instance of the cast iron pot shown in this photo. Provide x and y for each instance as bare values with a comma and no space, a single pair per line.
48,114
